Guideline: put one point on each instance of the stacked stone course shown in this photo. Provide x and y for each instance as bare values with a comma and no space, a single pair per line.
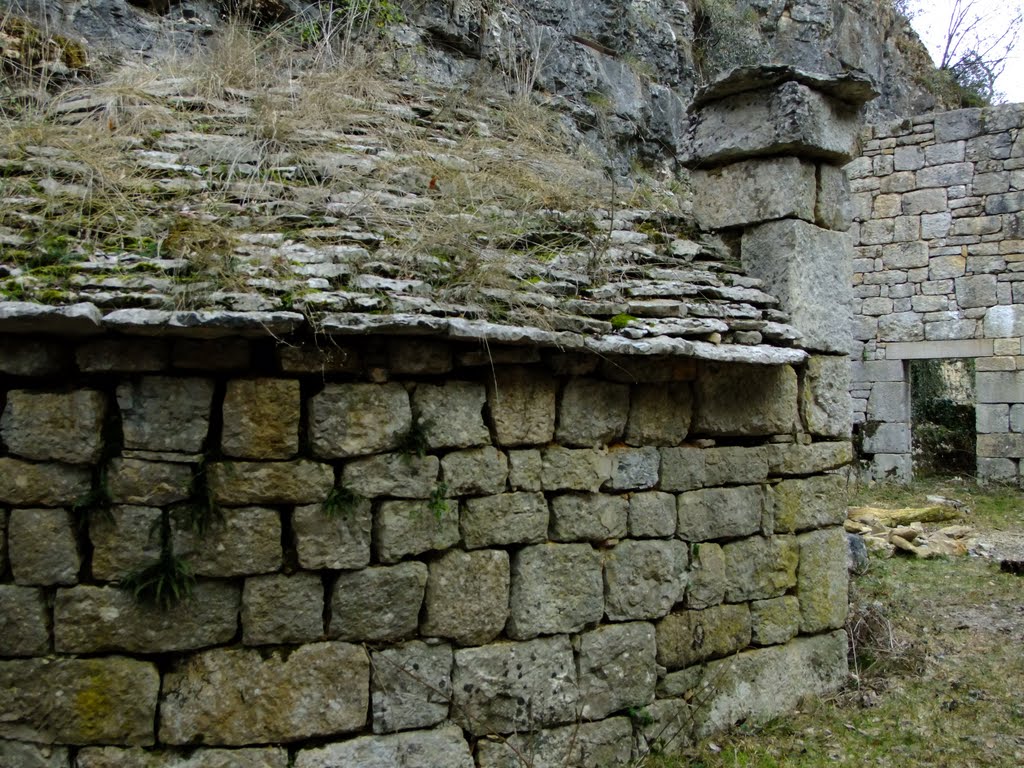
524,553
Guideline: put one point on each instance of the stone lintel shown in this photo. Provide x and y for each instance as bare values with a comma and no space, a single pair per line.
927,350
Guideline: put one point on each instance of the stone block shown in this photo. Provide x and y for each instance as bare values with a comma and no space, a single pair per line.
976,291
992,418
682,468
574,469
438,748
652,515
588,517
300,481
592,413
891,468
1004,321
240,542
317,690
745,400
946,330
211,354
467,596
42,549
125,540
555,588
148,483
659,414
54,427
757,568
886,437
25,622
822,580
889,401
261,419
901,326
582,745
905,255
644,579
402,475
358,419
159,413
19,754
509,687
616,669
796,459
947,175
934,226
995,183
108,700
419,356
774,621
753,191
633,468
1009,445
522,406
689,637
410,527
30,357
668,725
807,503
524,470
451,415
411,686
90,619
335,358
825,407
706,585
478,471
379,603
908,158
790,119
886,206
282,609
876,231
924,201
1017,418
999,386
122,355
832,208
732,465
721,513
509,518
335,539
809,269
117,757
997,470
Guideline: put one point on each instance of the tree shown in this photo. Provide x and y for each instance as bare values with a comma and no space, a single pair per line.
976,45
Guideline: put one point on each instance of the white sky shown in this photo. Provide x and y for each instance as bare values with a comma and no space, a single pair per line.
931,19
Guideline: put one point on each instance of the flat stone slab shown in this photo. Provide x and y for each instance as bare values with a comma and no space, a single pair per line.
205,324
28,317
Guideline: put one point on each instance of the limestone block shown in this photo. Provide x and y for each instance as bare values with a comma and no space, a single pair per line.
905,255
451,415
524,470
682,468
592,412
1005,203
420,356
886,206
745,400
659,414
633,468
888,437
976,291
999,386
760,684
108,700
26,484
340,539
588,517
555,588
753,191
357,419
19,754
901,326
159,413
924,201
376,604
998,470
790,119
809,270
908,158
706,582
582,745
775,621
732,465
467,596
125,540
508,518
934,226
797,459
334,358
30,357
890,467
823,580
234,483
992,418
813,502
616,669
404,475
239,696
261,419
148,483
652,514
438,748
644,579
688,637
1004,322
25,622
832,208
410,527
757,568
720,513
947,175
1002,446
117,757
411,687
91,619
522,406
474,472
574,469
41,547
825,407
282,609
123,355
240,542
889,401
1016,418
59,427
225,354
507,687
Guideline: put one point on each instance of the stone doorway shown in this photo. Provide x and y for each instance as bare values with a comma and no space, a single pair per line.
944,437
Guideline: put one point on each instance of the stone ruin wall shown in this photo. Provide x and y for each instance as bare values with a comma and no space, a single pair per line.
938,205
543,555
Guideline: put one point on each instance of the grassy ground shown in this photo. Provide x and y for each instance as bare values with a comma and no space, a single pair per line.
938,671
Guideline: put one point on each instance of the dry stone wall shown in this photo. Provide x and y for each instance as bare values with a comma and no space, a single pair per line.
938,204
407,553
